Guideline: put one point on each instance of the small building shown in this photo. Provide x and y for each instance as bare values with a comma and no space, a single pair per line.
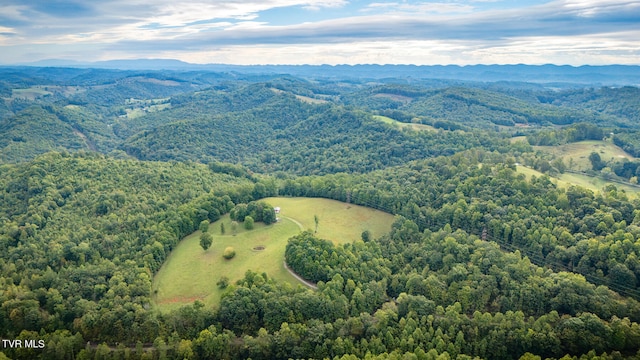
276,209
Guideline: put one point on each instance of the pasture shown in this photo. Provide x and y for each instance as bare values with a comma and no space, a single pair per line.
31,93
191,273
593,183
402,125
515,139
302,98
576,155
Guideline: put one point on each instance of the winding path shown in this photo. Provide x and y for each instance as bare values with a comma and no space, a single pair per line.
307,283
293,273
295,221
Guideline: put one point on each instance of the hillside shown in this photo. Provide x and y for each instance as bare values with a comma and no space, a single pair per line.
147,113
472,107
425,235
275,131
34,131
576,155
186,275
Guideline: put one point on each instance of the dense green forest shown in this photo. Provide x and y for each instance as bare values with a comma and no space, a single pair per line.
103,172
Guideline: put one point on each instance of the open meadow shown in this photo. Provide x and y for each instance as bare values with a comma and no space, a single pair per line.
593,183
576,155
402,125
191,273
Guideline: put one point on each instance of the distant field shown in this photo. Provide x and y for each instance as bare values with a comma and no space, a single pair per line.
306,99
595,184
518,138
38,91
310,100
529,172
142,107
598,183
31,93
389,120
576,155
191,273
395,97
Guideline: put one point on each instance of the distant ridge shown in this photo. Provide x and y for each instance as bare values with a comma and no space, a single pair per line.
586,74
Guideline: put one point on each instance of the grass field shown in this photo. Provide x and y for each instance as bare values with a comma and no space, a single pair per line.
576,155
338,222
529,172
595,184
31,93
310,100
598,183
190,273
518,138
412,126
142,107
395,97
306,99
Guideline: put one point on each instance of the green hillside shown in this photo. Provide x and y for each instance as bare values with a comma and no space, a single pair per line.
479,108
576,155
420,222
34,131
191,273
283,131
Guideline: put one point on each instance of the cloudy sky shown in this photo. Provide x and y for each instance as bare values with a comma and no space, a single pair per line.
574,32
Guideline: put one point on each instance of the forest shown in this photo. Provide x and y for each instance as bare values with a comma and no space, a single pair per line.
103,172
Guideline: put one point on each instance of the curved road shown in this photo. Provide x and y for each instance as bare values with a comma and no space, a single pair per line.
295,221
307,283
284,262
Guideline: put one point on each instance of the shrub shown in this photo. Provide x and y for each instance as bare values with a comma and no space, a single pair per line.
223,282
229,253
248,223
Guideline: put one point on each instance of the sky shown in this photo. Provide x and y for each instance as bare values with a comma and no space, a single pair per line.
563,32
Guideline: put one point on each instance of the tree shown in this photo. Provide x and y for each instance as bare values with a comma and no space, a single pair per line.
559,165
223,282
206,240
316,219
268,215
596,161
366,235
184,350
248,223
234,227
204,226
222,230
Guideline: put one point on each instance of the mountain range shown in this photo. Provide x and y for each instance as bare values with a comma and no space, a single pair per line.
587,74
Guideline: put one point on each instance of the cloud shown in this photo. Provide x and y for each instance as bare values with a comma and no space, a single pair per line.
117,18
535,50
319,5
418,8
475,29
560,18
